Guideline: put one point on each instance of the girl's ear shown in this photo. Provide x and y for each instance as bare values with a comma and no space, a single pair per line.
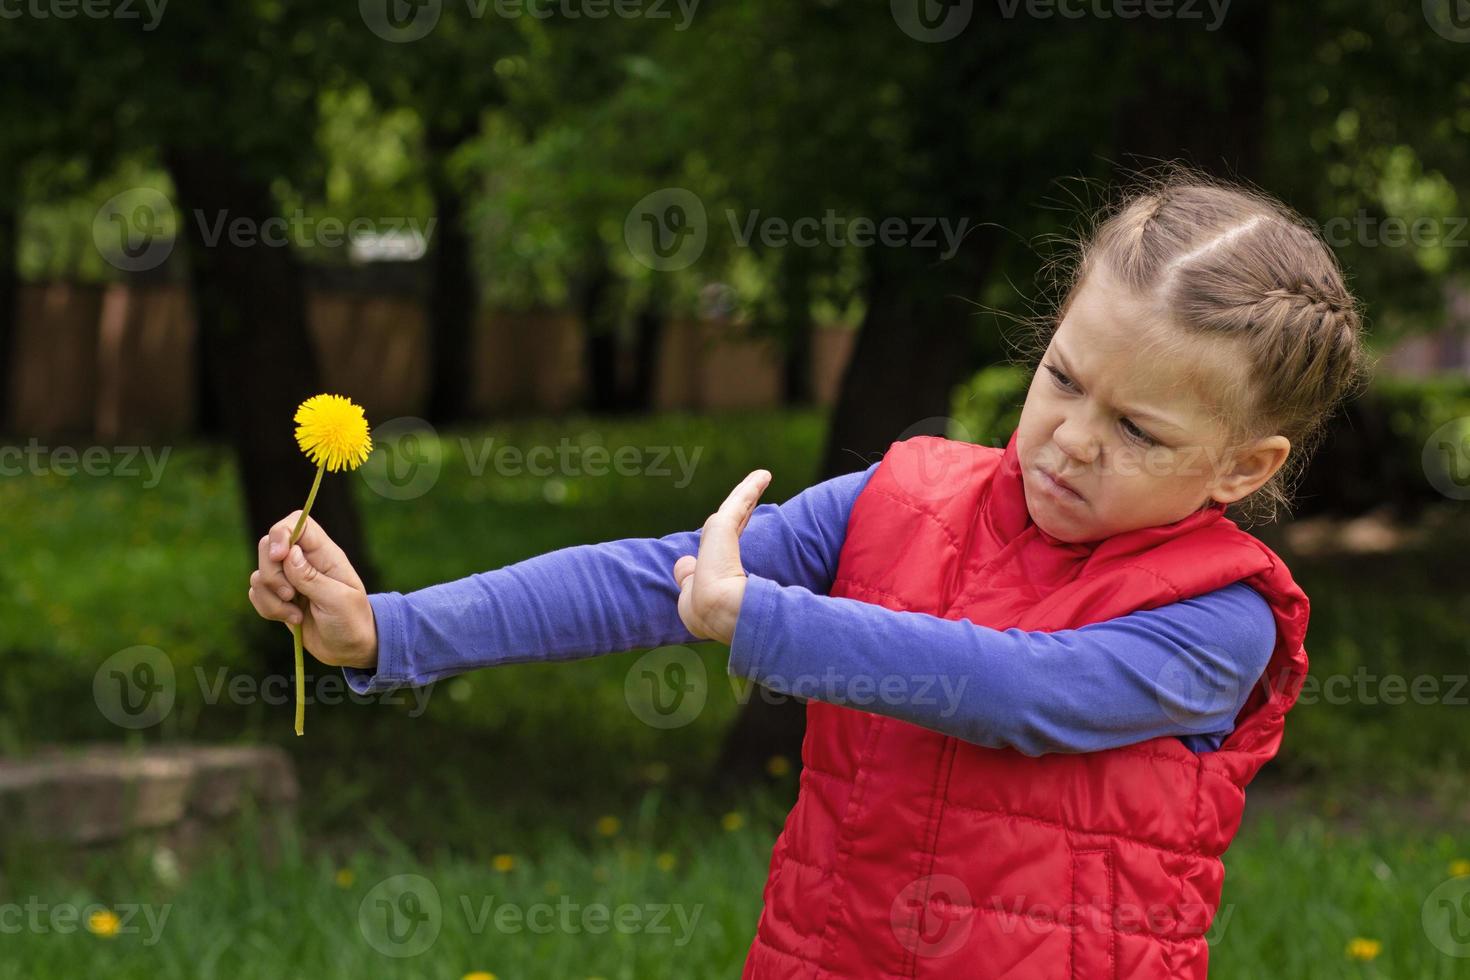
1249,468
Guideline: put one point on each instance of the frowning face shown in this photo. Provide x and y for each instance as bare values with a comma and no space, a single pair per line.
1124,425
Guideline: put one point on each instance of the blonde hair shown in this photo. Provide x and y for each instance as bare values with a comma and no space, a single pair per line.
1235,266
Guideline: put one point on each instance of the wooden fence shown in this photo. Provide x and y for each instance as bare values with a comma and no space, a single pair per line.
117,361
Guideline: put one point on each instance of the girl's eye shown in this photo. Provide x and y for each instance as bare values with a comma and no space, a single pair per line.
1139,434
1063,382
1134,432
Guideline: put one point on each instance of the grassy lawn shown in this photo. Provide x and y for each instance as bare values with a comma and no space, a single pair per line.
1358,822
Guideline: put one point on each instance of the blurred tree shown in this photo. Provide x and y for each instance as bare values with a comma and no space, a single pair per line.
461,69
226,99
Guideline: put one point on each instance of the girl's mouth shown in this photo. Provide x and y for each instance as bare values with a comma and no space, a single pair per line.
1056,488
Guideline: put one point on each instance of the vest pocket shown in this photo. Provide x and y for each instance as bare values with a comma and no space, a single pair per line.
1094,946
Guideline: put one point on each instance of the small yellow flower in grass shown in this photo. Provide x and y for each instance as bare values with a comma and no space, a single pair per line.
665,861
732,821
103,922
478,975
1459,868
503,862
333,433
344,877
608,825
1364,950
778,765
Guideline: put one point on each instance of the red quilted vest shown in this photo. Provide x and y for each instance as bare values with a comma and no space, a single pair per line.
914,854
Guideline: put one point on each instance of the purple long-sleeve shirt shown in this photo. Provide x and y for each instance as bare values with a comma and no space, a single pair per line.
1183,669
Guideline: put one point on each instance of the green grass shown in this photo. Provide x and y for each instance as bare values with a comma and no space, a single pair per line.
1297,894
1349,831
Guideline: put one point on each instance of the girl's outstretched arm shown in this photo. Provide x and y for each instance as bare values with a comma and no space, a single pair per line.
590,599
1183,669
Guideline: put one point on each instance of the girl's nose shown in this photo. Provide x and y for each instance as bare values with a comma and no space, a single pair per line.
1076,441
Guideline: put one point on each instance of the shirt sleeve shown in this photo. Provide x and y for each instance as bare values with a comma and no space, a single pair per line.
1184,669
590,599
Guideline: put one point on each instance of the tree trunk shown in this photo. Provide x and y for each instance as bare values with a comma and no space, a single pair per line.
453,301
1208,111
649,327
9,298
600,350
250,305
796,329
916,343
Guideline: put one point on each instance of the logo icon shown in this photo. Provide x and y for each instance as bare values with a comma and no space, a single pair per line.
400,21
933,915
1446,917
933,21
406,459
134,688
666,687
1450,19
1446,459
667,230
943,472
132,230
401,916
1194,688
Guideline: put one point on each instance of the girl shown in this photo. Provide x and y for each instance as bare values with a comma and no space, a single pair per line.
1039,677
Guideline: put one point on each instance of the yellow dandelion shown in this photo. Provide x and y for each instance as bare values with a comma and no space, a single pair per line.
608,825
478,975
333,432
778,765
1460,868
665,861
103,922
503,862
732,821
1364,950
344,877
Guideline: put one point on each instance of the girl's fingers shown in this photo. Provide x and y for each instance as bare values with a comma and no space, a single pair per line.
270,577
683,568
270,605
719,544
323,553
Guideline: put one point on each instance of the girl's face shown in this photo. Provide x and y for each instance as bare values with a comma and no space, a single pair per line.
1125,427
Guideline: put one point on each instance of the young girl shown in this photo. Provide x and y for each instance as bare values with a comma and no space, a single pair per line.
1039,678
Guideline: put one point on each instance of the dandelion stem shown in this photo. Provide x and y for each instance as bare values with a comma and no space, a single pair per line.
296,627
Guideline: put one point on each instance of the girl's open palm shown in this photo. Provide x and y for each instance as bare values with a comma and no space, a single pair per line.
712,586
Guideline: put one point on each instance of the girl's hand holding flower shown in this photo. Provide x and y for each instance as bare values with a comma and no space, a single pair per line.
712,586
323,594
